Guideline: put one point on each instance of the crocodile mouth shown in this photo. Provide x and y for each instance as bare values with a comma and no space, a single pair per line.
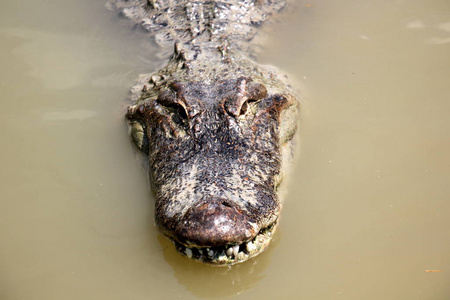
231,253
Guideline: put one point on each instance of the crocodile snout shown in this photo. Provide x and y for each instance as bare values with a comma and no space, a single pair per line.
215,222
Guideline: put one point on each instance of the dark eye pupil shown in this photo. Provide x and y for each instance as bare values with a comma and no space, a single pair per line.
179,115
182,112
244,108
177,109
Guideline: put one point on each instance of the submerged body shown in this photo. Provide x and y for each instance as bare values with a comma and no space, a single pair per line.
218,127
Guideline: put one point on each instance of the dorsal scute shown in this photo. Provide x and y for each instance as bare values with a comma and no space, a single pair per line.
197,21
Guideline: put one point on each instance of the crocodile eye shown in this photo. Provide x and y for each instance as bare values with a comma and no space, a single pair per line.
170,102
180,115
245,106
255,92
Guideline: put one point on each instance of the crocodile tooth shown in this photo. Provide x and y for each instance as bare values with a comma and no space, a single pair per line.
250,247
200,251
235,250
229,251
210,253
189,252
222,256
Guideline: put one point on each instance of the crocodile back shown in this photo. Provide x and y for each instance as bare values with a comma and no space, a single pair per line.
200,21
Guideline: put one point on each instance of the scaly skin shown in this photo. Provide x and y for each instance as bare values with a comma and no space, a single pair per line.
218,127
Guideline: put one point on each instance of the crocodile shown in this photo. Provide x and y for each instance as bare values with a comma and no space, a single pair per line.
218,128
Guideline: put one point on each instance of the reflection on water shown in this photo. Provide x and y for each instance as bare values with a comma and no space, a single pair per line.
216,282
367,213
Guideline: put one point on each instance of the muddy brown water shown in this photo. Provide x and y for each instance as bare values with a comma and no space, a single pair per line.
368,210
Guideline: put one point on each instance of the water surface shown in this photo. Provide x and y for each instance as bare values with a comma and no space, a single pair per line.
367,215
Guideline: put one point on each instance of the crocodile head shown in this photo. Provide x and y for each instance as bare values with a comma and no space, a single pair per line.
216,153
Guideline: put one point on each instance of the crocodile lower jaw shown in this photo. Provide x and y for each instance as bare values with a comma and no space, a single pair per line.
229,254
